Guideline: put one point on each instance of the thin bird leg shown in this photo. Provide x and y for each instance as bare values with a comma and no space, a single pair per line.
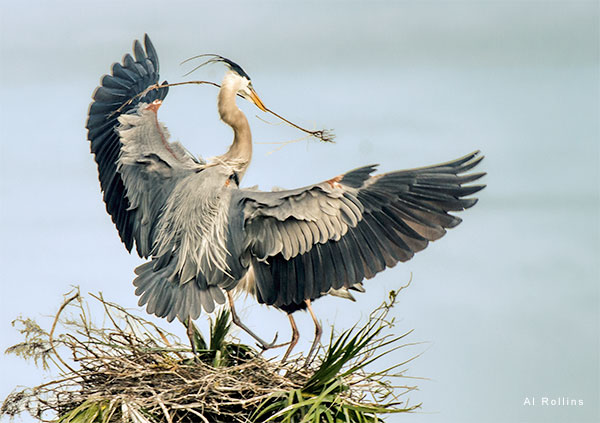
318,332
295,337
234,317
190,334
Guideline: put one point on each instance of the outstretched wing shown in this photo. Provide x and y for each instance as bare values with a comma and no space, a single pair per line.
137,166
334,234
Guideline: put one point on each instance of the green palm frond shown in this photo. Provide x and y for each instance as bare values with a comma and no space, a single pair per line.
219,351
328,395
219,329
133,371
90,411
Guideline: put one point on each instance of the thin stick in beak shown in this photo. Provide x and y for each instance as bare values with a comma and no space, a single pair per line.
323,134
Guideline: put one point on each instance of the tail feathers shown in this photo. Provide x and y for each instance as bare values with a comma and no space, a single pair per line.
168,299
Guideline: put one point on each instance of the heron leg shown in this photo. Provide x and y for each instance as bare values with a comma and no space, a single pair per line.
235,318
295,337
318,332
190,334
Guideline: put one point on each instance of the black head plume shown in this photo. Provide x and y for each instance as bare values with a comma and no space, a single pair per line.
215,58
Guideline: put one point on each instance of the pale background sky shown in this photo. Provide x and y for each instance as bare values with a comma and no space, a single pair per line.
507,304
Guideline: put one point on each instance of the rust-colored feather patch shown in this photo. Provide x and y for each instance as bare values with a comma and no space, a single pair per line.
335,182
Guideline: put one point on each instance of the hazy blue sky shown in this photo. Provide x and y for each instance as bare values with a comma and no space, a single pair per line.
507,304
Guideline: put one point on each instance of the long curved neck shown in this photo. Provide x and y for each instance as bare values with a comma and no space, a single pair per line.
240,152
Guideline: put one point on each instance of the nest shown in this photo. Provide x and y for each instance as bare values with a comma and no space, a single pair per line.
132,370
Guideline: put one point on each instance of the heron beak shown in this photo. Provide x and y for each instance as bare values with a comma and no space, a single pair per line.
257,101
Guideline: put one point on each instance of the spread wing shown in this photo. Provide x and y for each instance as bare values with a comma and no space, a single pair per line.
334,234
137,166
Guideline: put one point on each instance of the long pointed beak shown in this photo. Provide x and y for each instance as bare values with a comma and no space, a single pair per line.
256,100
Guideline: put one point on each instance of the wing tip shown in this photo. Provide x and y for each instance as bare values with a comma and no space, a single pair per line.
356,178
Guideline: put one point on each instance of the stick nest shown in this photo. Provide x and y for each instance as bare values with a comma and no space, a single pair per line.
129,369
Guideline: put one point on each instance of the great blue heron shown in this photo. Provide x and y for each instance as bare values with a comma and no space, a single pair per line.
206,236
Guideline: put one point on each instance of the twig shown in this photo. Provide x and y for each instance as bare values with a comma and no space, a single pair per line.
50,335
158,86
325,135
162,406
130,365
191,410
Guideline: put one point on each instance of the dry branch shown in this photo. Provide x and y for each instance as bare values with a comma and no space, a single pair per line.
132,370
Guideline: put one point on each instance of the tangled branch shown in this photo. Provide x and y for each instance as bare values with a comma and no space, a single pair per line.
325,135
132,370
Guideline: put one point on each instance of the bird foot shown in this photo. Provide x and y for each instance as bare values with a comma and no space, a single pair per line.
264,346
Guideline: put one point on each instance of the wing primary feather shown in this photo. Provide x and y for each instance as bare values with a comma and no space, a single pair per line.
318,274
291,281
262,280
370,249
279,279
346,253
390,251
300,279
340,268
127,79
394,248
356,178
356,245
138,51
338,232
327,270
308,273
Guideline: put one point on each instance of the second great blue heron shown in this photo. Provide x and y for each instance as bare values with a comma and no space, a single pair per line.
206,237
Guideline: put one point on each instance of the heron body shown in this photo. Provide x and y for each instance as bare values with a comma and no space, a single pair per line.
205,237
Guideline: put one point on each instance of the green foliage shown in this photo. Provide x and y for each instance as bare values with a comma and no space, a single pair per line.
329,394
135,371
36,346
90,411
219,352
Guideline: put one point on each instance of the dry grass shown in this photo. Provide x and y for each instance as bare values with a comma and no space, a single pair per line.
132,370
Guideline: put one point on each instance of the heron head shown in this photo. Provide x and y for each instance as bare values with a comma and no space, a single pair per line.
244,87
236,77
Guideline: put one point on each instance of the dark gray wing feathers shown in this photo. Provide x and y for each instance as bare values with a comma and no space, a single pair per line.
138,171
334,234
300,243
123,84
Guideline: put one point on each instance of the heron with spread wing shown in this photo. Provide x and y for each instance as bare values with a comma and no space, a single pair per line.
205,237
